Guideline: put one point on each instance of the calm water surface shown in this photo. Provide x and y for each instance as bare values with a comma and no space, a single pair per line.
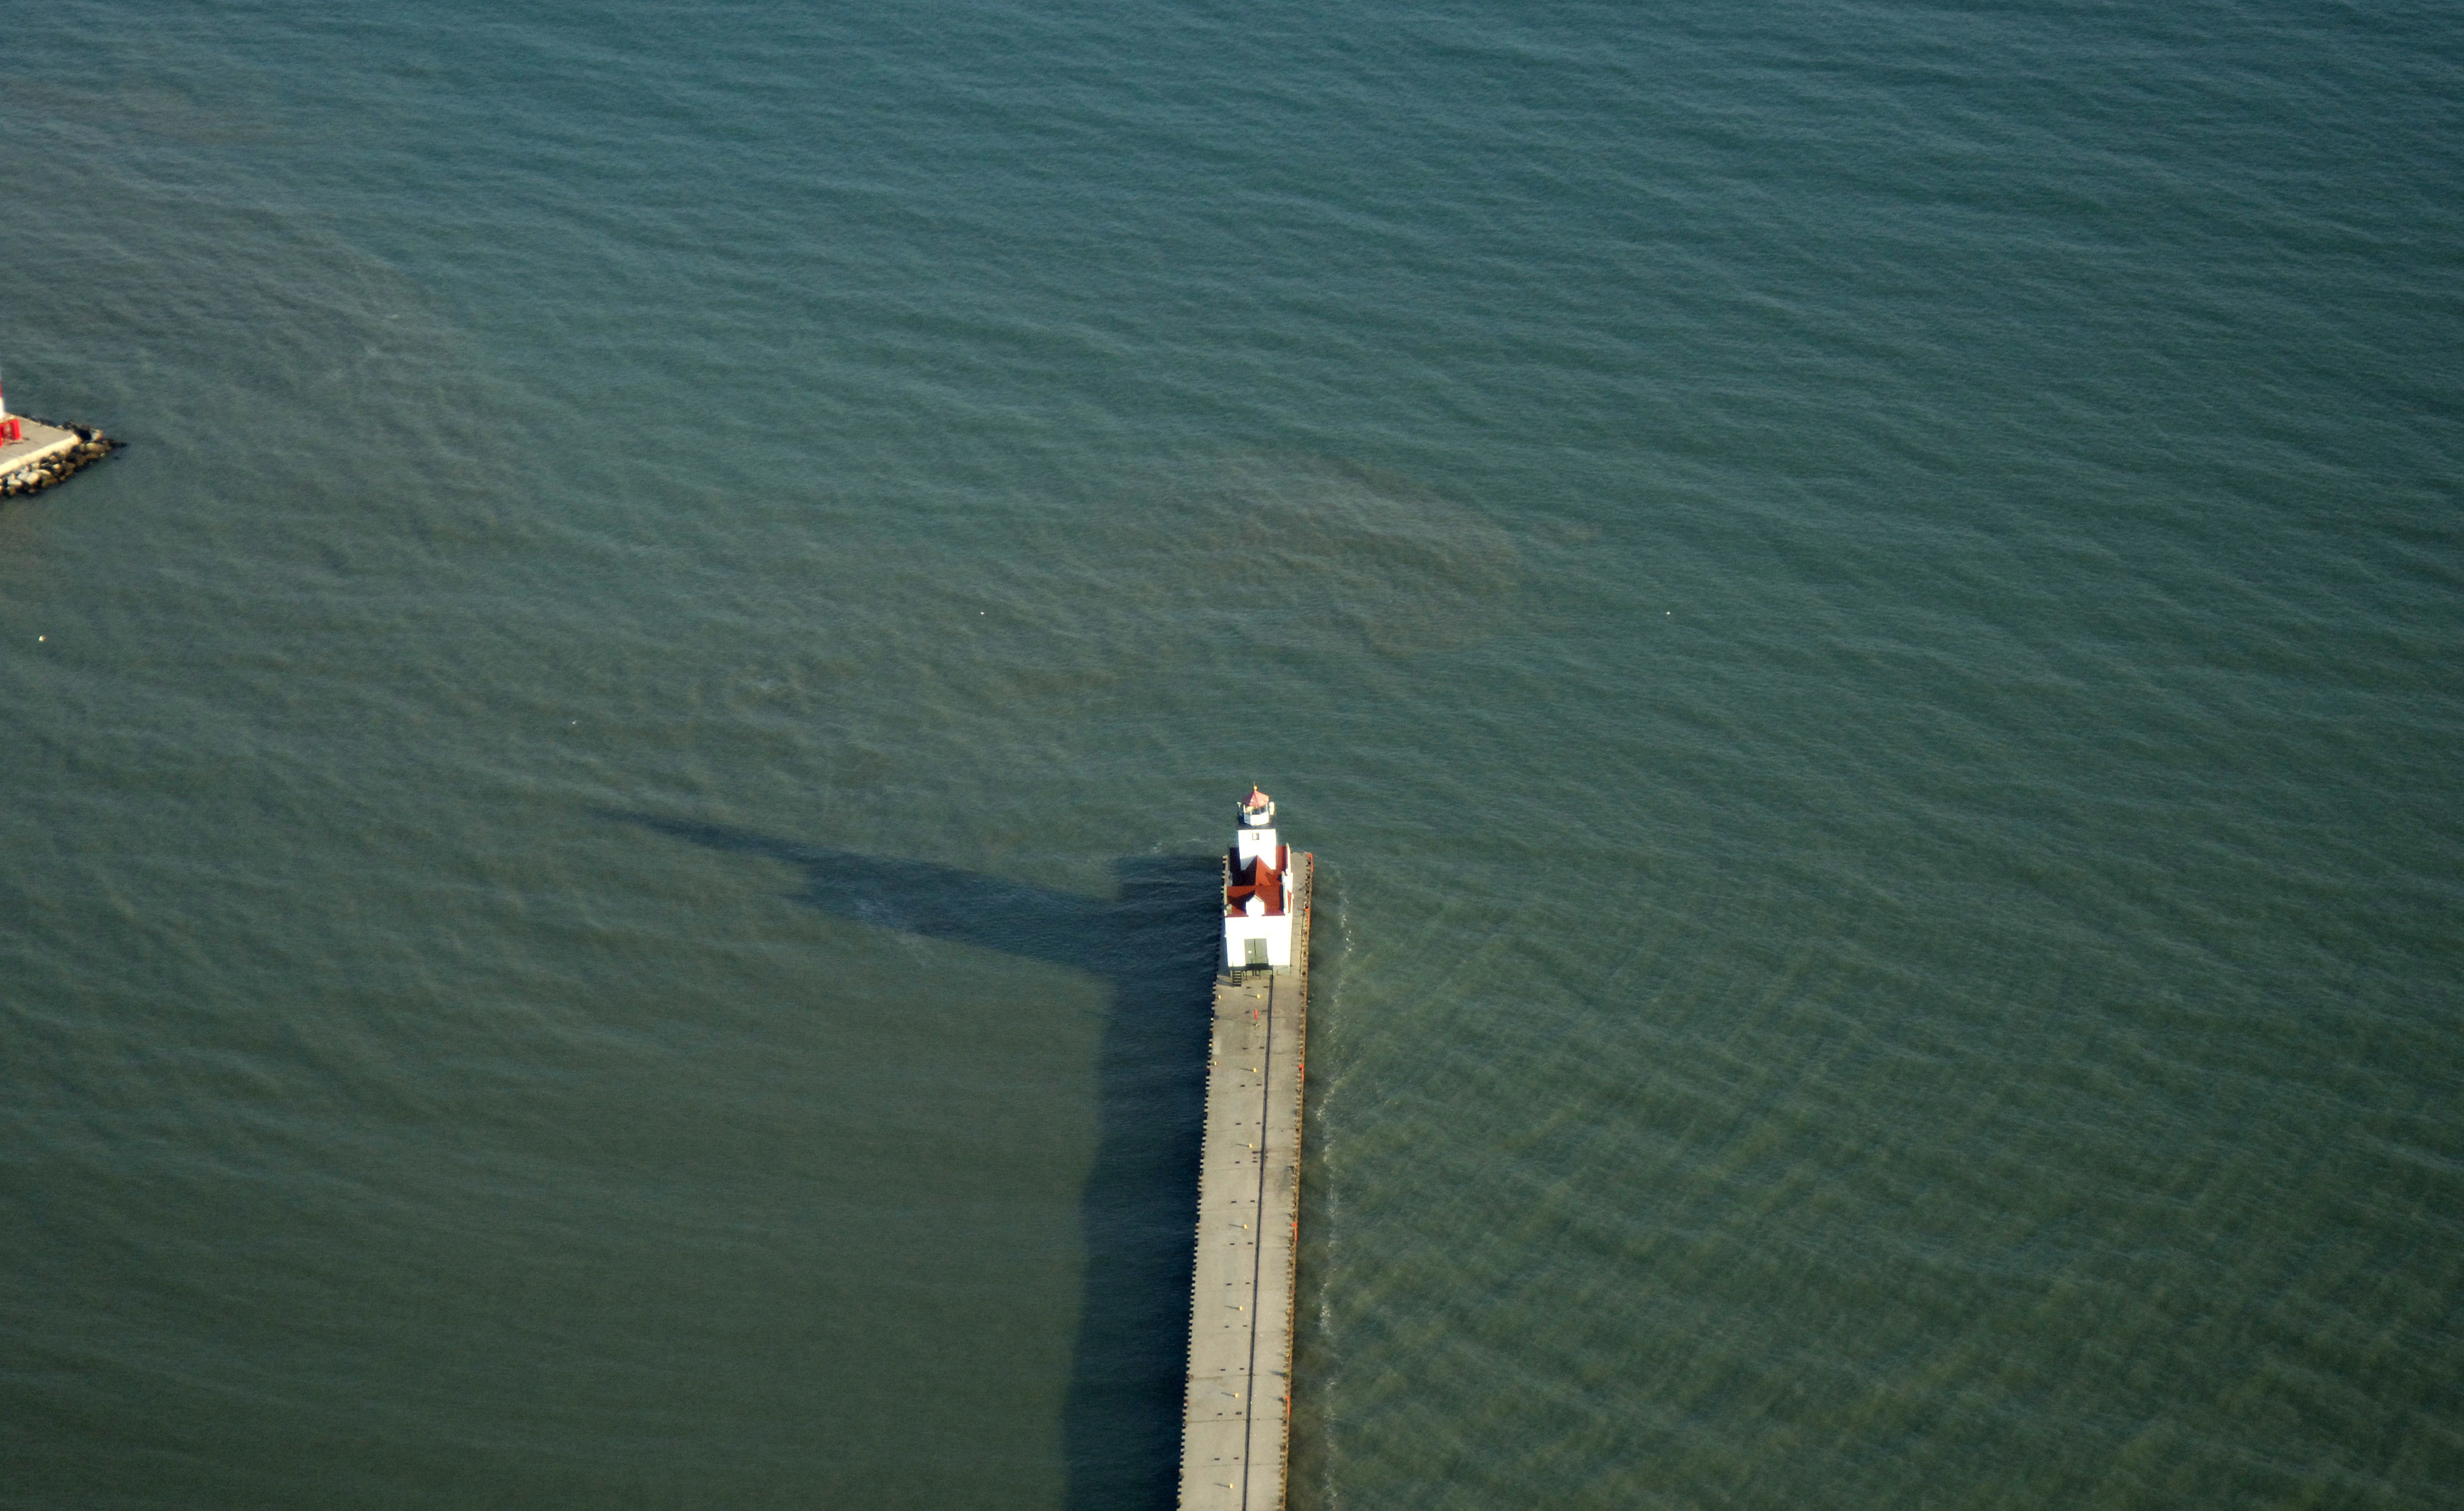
607,815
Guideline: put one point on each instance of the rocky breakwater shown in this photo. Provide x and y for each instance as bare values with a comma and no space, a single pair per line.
45,454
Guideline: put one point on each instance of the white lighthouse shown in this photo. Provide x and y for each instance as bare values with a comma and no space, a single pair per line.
1257,904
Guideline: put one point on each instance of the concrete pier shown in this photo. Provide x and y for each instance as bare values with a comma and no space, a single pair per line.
45,454
1237,1421
42,443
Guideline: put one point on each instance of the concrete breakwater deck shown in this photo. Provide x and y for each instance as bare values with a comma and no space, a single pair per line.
1237,1421
46,453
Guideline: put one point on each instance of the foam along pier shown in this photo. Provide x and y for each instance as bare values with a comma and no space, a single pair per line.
1237,1421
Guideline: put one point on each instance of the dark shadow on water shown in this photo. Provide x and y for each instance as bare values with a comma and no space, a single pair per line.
1153,942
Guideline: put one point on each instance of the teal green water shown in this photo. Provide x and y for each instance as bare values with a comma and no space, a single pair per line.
607,815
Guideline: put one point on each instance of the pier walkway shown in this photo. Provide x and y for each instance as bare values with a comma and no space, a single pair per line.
1237,1417
40,443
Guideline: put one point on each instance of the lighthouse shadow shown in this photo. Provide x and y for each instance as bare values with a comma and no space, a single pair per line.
1153,942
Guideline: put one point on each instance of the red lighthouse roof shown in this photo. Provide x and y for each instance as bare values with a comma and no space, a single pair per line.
1261,879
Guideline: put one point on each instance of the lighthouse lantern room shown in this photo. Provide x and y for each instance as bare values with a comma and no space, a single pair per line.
1257,904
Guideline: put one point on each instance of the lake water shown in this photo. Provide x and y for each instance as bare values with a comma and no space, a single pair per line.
609,813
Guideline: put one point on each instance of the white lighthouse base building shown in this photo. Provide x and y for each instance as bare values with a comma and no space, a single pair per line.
1257,900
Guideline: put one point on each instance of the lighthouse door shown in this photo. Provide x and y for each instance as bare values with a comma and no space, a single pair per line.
1255,952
